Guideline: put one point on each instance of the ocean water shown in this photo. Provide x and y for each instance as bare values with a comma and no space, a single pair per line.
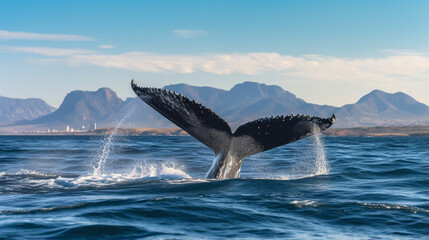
59,187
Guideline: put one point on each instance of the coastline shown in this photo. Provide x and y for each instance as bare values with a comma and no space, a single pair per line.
381,131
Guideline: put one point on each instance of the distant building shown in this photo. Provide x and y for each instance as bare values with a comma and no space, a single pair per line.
68,128
94,126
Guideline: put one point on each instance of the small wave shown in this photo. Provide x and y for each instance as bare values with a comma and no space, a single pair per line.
286,177
386,206
39,181
294,177
50,209
35,173
115,178
27,173
191,180
305,203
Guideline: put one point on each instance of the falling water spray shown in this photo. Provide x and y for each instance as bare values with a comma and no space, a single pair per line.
322,164
106,148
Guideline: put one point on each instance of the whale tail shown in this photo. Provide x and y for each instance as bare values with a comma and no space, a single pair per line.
210,129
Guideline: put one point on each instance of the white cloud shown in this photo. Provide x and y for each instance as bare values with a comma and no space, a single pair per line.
46,51
188,33
306,67
106,46
6,35
315,77
393,67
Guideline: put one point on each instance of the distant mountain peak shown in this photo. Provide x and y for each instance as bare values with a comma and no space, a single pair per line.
377,91
249,84
385,96
108,93
258,89
83,108
105,90
16,109
379,107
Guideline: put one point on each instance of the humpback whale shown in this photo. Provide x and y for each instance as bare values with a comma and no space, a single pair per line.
229,148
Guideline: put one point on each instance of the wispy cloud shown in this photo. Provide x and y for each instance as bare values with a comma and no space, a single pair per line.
308,66
410,66
6,35
188,33
401,52
106,46
46,51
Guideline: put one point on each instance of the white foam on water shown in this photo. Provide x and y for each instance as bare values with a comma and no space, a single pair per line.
385,206
140,171
293,176
305,203
26,172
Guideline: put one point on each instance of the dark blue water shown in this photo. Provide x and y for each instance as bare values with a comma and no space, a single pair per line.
136,187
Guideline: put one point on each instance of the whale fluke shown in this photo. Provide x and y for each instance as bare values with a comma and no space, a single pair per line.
268,133
194,118
230,148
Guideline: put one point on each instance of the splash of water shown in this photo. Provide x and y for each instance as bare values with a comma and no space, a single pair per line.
140,170
167,170
322,164
313,163
106,148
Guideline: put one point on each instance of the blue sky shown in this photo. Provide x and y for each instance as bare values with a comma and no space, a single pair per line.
326,52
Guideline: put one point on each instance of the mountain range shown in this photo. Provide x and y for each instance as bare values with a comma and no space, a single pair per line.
15,109
244,102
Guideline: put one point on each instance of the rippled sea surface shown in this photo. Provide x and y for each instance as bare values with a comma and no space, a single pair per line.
57,187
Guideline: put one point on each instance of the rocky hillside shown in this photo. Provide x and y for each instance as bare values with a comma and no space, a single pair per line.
15,109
